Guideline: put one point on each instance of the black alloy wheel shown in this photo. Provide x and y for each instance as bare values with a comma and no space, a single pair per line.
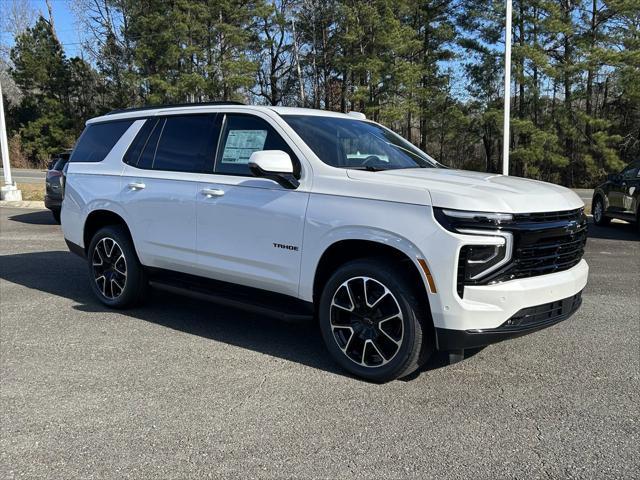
599,217
116,275
366,321
109,268
374,319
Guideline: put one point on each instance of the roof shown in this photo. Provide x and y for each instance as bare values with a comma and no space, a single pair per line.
210,107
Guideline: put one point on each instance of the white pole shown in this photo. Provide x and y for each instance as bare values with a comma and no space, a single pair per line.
507,91
4,146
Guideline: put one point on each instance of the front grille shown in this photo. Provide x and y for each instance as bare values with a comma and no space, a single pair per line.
547,313
544,243
545,254
548,216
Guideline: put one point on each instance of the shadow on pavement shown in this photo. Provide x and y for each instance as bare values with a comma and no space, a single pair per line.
41,217
299,342
614,231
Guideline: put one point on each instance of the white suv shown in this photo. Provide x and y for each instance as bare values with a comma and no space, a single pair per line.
299,213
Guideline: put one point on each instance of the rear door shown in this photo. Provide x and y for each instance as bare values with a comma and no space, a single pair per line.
249,230
160,186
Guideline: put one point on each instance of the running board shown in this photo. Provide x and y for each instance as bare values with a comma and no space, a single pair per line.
253,300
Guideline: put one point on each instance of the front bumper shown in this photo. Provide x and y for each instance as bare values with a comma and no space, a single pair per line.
486,307
526,320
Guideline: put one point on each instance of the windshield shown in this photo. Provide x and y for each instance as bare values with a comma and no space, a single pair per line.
346,143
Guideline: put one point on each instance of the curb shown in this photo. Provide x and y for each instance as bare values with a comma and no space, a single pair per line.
39,204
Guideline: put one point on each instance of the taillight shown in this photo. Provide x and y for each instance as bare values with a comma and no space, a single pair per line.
54,173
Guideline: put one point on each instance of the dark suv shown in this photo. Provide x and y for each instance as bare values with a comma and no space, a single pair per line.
53,181
618,197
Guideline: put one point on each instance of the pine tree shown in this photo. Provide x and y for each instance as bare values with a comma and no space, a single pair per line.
41,72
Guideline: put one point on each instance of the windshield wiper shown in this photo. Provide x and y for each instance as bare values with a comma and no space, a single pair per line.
371,168
368,168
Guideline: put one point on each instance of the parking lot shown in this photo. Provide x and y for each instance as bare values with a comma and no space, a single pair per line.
185,389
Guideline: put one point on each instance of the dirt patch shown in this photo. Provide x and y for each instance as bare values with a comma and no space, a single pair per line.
32,191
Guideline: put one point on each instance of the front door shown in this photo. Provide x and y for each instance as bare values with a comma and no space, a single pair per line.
249,230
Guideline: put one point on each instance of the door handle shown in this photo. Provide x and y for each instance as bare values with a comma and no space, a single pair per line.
212,192
136,185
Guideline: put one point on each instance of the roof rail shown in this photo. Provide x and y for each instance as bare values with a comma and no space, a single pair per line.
154,107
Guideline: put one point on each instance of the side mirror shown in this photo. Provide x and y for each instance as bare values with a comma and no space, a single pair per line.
614,177
275,165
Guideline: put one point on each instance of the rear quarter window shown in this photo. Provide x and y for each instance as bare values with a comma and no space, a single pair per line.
97,140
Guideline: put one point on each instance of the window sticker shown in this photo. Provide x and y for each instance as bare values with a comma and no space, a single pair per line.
241,144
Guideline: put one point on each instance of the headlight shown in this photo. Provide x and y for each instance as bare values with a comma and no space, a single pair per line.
478,261
483,255
454,220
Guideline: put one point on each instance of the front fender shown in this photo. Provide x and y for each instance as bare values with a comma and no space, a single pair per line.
401,226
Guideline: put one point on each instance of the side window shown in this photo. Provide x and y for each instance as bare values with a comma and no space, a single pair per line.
133,154
180,143
98,139
187,144
243,135
631,172
145,160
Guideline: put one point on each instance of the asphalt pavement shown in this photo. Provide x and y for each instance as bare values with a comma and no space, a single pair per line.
185,389
26,175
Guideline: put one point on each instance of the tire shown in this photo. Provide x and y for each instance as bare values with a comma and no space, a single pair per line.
599,217
56,216
124,281
401,343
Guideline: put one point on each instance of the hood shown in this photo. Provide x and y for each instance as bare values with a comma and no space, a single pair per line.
488,192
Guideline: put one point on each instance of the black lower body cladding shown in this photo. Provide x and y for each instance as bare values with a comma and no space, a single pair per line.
527,320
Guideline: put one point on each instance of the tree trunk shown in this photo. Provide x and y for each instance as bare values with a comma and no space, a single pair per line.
536,83
590,72
568,141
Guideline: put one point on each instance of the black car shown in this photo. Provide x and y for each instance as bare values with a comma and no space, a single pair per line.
618,197
53,181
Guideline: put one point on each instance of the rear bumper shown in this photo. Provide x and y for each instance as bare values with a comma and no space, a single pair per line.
526,320
53,202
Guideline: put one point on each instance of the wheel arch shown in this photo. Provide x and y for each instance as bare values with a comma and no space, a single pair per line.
99,218
599,194
344,250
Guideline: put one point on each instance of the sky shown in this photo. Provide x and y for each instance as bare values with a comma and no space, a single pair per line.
64,22
63,19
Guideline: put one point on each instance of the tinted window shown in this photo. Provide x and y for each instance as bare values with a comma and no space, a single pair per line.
630,172
346,143
186,143
97,140
135,149
145,160
243,135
